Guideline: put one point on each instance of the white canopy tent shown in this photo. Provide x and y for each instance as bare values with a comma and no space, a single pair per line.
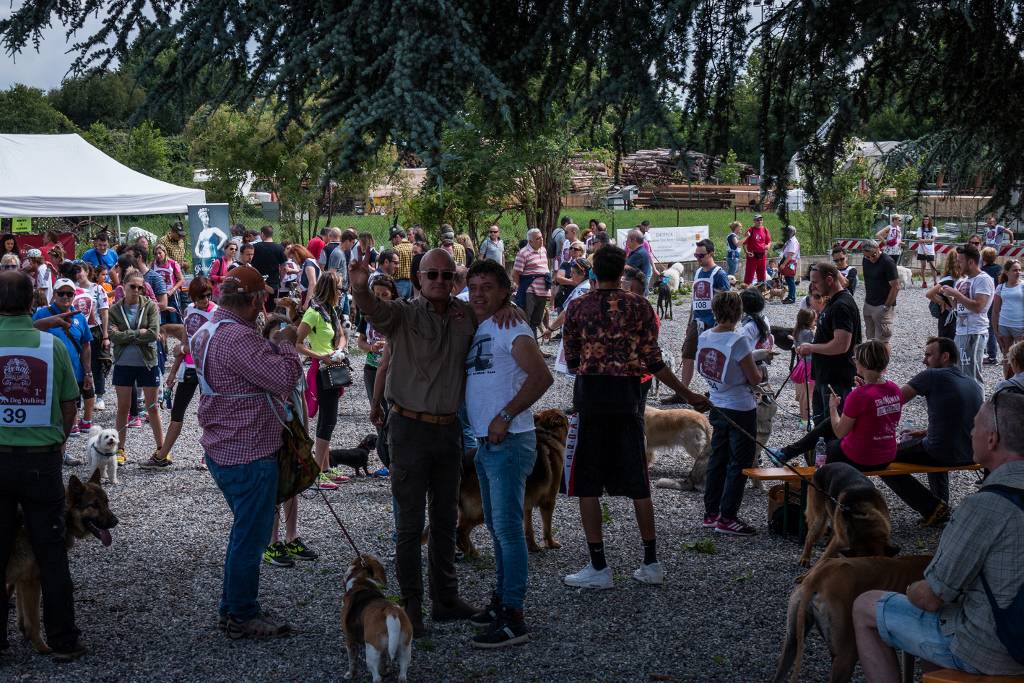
63,175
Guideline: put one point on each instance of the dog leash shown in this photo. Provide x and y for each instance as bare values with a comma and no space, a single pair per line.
359,555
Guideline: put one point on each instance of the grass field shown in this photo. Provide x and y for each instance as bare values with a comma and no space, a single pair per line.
514,227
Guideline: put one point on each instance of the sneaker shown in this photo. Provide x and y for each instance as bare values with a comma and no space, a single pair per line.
650,573
222,621
99,405
134,422
939,516
488,615
924,285
277,555
261,626
588,577
787,300
75,430
84,426
777,456
69,655
509,629
335,475
121,456
734,527
298,550
710,521
324,483
155,463
991,361
382,473
72,461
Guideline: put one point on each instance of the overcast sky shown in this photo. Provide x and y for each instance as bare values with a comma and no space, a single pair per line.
44,69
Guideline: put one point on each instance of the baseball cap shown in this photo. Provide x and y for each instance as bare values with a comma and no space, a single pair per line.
397,231
244,280
33,253
758,217
178,228
63,282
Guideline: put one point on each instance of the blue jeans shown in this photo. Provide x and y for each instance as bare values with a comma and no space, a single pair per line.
404,288
468,437
731,451
791,287
912,630
732,264
251,493
503,469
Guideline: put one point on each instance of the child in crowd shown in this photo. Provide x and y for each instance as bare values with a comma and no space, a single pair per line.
803,382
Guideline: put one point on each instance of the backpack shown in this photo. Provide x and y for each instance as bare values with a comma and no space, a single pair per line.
1009,620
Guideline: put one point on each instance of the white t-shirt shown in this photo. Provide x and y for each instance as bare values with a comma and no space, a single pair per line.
966,321
922,248
892,245
750,329
1011,313
89,301
44,283
493,377
792,246
718,362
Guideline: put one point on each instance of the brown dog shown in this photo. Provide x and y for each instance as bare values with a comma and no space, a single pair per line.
825,600
88,513
680,427
289,309
541,486
371,620
860,522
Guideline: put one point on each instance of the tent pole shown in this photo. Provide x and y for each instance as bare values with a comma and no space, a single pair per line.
118,228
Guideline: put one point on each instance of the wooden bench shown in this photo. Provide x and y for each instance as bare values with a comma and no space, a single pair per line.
787,476
952,676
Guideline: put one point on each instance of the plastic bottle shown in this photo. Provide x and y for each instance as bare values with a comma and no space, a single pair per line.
820,454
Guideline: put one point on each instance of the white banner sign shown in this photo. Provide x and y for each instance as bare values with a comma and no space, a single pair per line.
670,244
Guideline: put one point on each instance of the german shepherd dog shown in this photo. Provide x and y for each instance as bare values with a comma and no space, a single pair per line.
824,599
860,522
664,299
541,486
88,513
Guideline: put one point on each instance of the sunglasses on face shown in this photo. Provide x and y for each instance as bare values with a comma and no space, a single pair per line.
137,288
64,293
9,266
446,275
700,254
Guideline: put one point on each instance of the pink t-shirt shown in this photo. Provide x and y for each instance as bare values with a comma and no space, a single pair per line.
877,409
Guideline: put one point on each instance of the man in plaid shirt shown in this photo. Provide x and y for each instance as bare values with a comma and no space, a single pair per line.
947,618
242,435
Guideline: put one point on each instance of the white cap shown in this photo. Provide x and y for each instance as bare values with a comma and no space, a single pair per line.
64,282
33,253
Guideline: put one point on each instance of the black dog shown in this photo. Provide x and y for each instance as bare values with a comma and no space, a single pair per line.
664,301
357,458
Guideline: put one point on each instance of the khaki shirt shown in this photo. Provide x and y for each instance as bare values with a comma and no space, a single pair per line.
428,353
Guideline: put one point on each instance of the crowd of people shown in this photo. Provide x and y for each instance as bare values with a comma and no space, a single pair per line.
452,337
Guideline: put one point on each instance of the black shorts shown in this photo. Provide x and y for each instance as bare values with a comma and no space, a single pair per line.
609,457
133,375
926,257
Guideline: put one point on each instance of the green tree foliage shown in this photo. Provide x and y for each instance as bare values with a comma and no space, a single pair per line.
26,110
110,98
145,150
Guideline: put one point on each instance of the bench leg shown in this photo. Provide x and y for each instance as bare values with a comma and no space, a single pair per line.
785,509
907,667
802,528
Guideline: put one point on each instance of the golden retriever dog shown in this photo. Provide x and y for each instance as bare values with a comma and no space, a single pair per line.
88,514
860,522
824,600
541,486
666,429
372,621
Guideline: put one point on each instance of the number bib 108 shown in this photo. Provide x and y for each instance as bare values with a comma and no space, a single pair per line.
26,385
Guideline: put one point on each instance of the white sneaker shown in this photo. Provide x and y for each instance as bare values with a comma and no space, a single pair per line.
99,405
650,573
588,577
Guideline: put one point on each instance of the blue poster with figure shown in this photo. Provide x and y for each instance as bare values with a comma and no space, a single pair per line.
209,227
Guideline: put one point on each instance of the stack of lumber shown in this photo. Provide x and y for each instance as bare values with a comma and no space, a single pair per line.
684,197
647,167
589,175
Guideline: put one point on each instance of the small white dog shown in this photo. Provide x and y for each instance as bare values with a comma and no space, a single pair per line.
101,447
674,273
906,276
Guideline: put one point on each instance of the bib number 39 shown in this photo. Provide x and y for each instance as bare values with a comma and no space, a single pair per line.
12,416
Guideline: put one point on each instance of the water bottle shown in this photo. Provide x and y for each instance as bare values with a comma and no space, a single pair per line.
819,452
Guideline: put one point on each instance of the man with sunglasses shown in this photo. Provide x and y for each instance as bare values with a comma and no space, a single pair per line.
949,618
847,273
709,279
429,339
881,286
493,248
972,296
77,339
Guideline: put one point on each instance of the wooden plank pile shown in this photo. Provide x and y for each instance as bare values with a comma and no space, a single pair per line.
647,167
589,175
684,197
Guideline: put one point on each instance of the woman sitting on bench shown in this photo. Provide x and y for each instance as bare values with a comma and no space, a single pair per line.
865,434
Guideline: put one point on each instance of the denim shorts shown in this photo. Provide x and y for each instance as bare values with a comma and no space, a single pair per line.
912,630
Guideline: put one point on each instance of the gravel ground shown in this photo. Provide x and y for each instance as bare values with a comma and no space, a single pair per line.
147,605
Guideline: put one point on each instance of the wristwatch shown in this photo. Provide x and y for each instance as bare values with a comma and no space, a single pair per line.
506,416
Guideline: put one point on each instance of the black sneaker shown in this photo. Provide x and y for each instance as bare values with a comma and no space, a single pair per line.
509,629
298,550
277,554
488,615
69,655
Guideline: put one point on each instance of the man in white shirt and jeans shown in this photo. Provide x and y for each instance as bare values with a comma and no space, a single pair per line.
505,375
972,297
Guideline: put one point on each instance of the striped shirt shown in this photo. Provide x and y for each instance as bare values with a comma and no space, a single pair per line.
530,261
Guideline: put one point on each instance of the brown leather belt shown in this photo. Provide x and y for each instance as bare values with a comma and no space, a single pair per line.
429,418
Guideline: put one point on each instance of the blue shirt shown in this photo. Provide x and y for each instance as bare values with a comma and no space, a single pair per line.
108,260
641,260
156,281
720,283
78,334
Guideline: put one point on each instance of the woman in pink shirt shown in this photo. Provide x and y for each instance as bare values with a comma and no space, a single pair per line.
867,427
